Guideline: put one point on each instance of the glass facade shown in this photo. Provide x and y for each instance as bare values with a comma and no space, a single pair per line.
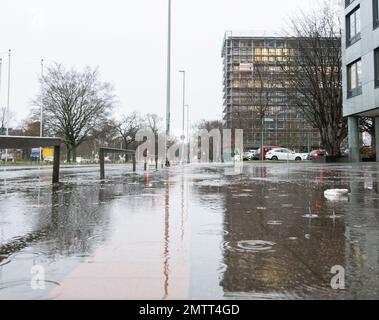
353,26
376,67
254,77
375,7
354,78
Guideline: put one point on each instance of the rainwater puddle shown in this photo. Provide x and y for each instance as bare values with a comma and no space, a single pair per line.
22,290
253,246
311,216
275,223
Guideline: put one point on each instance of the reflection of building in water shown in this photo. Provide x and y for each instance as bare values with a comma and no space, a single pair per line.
304,250
362,238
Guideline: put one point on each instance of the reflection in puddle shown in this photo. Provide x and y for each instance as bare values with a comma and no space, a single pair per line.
253,246
213,232
126,229
311,216
22,289
275,222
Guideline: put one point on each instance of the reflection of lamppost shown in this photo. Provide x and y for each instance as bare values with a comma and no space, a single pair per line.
168,93
41,112
188,135
183,112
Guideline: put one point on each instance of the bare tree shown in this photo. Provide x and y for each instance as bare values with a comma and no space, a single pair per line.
209,125
30,127
106,134
314,74
265,90
129,126
154,122
74,103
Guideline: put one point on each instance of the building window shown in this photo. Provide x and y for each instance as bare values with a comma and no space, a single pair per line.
375,7
353,26
354,79
376,67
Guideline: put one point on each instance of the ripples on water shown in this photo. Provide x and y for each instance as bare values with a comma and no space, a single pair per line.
253,246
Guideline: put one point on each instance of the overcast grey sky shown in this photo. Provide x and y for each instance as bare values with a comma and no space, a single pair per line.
127,41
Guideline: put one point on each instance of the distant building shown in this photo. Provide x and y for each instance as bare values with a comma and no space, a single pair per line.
360,50
252,72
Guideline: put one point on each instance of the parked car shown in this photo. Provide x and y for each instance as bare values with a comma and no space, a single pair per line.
49,159
316,154
266,149
9,157
345,152
285,154
248,155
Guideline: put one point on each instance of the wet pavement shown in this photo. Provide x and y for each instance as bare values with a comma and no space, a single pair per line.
191,232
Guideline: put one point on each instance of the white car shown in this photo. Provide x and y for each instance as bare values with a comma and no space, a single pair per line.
49,159
9,157
285,154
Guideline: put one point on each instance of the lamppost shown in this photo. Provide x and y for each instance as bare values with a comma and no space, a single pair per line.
184,106
41,62
8,100
41,111
1,68
168,93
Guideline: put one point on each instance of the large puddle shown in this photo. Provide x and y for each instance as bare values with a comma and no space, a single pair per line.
190,232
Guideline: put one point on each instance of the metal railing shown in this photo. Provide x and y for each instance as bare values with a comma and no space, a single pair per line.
104,150
13,142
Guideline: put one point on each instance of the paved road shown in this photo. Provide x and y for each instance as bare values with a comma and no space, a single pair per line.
196,231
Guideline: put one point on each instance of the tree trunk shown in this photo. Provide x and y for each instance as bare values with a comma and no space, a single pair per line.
331,143
68,153
73,153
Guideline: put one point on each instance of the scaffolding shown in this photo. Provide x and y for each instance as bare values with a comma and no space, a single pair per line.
244,54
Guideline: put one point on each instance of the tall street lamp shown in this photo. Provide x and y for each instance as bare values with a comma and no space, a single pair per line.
1,70
168,93
8,100
41,110
184,106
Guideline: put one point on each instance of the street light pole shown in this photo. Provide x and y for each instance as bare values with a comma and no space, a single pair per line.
1,70
41,114
184,106
8,99
188,135
168,93
41,111
9,88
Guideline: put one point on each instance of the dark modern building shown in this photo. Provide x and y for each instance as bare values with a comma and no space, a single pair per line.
253,78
